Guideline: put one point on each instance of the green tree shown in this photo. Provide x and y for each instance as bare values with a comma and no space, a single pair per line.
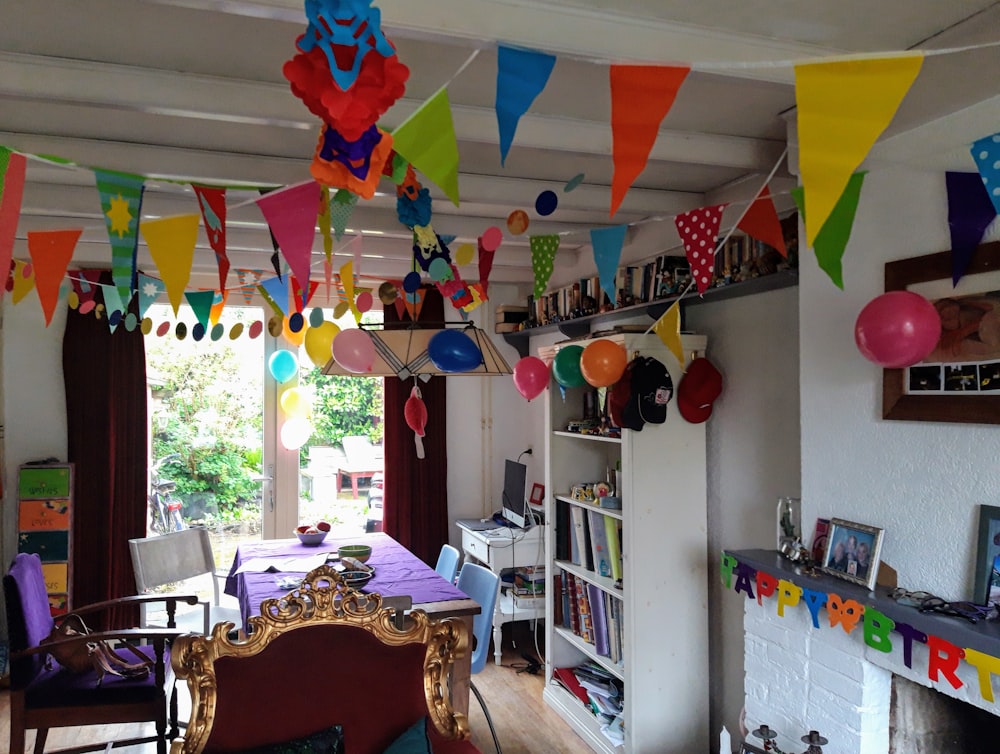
343,406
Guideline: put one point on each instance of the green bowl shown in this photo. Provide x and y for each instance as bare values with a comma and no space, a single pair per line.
360,553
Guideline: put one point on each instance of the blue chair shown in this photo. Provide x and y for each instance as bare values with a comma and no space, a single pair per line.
447,565
482,585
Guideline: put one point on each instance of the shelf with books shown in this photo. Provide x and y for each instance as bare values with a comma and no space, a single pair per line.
584,436
613,512
588,649
580,717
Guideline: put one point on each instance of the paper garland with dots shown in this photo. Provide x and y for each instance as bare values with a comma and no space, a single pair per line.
699,230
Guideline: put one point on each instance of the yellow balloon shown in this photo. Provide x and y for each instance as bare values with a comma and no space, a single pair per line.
464,254
295,338
295,403
319,343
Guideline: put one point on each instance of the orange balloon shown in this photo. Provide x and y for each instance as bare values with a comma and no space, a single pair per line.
602,363
294,338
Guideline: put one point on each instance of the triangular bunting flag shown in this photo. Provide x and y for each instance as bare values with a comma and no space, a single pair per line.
323,220
607,243
23,275
543,253
218,305
50,252
300,297
275,259
85,287
201,304
761,221
970,212
843,107
12,171
485,268
291,214
276,291
836,232
341,206
213,213
668,328
171,243
521,77
114,306
699,230
986,153
427,140
249,280
149,290
121,201
641,96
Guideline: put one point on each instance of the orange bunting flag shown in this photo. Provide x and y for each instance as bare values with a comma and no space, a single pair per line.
843,107
171,243
761,222
699,230
668,328
50,252
641,97
218,304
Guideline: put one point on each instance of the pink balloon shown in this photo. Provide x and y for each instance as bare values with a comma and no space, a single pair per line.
353,350
364,302
531,376
897,329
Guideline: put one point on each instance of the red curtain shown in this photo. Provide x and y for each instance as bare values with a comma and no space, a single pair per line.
105,381
416,490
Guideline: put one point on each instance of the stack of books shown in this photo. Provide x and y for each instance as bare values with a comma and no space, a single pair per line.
591,613
601,692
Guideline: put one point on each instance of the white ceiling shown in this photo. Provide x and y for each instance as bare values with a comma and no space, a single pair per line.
192,89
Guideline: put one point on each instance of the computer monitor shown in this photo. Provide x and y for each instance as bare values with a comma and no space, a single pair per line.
515,505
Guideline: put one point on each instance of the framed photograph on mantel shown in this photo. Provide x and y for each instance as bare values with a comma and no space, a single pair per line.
960,380
853,552
985,591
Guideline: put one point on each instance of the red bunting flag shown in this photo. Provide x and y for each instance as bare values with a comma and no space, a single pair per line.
761,222
641,97
699,230
213,213
12,170
50,252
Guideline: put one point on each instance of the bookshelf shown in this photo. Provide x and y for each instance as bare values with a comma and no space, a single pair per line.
660,601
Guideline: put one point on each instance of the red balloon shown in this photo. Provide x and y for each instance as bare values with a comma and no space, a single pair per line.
602,363
531,376
897,329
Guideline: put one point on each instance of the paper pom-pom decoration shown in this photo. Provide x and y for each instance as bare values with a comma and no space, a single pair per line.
355,166
415,413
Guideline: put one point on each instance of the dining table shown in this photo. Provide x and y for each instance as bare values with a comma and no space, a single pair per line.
263,569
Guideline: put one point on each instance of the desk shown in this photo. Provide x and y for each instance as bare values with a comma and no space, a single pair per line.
398,573
500,549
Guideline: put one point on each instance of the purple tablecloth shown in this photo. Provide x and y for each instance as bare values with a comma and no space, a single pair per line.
398,572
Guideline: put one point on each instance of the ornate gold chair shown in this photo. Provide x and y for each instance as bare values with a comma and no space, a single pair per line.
320,657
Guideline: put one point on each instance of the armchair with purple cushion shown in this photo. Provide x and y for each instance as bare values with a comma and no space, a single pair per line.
44,695
325,657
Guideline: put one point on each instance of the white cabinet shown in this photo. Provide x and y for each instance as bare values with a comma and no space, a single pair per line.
663,592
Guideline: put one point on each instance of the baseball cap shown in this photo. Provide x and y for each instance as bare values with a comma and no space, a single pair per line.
620,395
651,391
700,386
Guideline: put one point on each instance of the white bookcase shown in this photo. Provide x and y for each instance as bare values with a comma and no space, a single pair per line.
664,669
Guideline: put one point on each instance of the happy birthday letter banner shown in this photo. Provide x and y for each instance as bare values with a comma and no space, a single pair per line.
121,202
641,97
521,77
843,107
876,627
12,171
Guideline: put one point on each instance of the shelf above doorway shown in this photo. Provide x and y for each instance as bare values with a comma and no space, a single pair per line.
574,328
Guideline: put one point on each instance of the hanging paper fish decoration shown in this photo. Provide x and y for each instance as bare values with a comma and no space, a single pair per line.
415,413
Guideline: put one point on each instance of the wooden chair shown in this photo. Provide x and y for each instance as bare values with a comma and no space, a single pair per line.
322,656
44,697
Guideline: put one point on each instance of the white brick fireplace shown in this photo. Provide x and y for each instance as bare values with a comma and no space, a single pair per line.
801,678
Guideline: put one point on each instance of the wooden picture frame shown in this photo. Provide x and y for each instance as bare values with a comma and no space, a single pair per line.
987,551
897,403
537,494
853,552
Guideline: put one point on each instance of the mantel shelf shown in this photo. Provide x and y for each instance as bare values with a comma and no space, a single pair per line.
983,636
574,328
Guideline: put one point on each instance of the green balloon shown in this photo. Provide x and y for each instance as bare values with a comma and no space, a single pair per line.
566,367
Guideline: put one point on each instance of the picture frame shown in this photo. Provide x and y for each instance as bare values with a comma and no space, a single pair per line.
537,494
987,552
967,390
853,552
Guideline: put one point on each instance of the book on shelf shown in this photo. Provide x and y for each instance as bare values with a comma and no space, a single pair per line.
612,608
586,618
612,535
600,620
582,538
566,677
557,602
530,601
599,543
571,607
562,531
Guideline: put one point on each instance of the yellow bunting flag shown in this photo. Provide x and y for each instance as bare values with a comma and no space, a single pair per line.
668,327
50,252
24,280
843,107
427,140
347,281
171,243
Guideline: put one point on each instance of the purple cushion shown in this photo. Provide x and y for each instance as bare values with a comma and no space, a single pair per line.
29,618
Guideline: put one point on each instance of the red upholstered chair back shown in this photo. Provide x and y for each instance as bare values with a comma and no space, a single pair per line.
323,656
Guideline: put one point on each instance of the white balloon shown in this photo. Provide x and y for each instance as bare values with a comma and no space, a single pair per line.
295,433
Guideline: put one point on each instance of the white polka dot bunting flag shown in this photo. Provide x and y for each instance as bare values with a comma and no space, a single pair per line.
699,230
986,153
543,252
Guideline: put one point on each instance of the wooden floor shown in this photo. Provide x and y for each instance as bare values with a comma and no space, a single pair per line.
524,723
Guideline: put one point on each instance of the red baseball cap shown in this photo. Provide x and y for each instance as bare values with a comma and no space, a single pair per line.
700,386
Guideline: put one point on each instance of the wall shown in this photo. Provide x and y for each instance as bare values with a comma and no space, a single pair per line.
922,482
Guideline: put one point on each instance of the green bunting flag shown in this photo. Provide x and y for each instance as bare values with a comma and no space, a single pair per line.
427,140
831,241
121,202
543,252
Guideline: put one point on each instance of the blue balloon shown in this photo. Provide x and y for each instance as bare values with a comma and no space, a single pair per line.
283,365
453,351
